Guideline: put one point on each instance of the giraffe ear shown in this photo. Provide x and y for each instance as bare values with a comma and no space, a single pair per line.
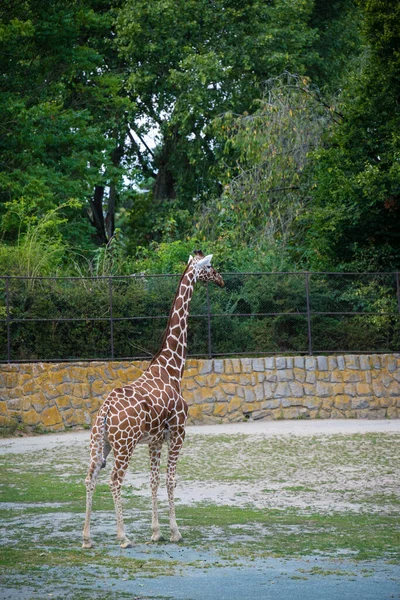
206,261
190,259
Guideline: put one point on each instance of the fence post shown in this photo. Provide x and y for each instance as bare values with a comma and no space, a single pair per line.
7,289
310,348
209,323
111,317
398,289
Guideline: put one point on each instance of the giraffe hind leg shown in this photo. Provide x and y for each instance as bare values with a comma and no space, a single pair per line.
90,482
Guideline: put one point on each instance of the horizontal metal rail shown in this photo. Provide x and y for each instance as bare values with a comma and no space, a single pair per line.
304,294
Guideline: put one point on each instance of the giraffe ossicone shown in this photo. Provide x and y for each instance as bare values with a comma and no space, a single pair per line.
150,410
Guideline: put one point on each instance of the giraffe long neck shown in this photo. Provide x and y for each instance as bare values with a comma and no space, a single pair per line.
172,353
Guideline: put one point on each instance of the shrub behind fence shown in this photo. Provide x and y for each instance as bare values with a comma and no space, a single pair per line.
53,319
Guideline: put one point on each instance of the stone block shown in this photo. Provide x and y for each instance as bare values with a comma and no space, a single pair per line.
299,362
273,403
285,375
234,404
259,392
235,417
312,403
271,377
247,367
270,362
236,365
375,361
280,362
324,376
205,367
350,390
336,377
337,414
332,363
196,412
351,376
295,412
364,389
299,375
220,410
249,395
311,377
323,390
229,389
384,402
30,387
352,361
390,363
357,403
392,412
311,363
269,389
219,366
50,417
365,363
342,402
340,363
289,362
204,395
50,392
322,363
394,389
296,390
98,388
309,389
228,366
258,364
282,390
63,402
212,380
258,414
31,417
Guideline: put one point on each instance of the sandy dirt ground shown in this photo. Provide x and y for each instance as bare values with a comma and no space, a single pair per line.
341,469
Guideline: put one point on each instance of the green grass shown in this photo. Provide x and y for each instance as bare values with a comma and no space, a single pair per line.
42,503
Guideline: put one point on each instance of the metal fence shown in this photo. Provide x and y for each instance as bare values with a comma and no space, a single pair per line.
121,318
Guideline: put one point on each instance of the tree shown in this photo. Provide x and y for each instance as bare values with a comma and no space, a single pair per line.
268,175
63,106
354,217
186,68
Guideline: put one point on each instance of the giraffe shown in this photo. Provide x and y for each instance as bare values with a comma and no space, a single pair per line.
149,411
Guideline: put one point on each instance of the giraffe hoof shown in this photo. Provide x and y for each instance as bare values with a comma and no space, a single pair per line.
126,543
176,537
157,537
87,544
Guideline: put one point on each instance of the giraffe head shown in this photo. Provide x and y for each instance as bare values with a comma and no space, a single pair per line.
203,269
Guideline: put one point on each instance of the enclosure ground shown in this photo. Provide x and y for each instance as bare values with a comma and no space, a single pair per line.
268,510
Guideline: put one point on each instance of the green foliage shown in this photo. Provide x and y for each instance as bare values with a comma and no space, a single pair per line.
241,324
354,221
268,174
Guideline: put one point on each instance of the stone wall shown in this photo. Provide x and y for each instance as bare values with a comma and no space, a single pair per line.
59,396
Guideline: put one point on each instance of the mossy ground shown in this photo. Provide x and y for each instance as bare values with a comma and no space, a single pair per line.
274,508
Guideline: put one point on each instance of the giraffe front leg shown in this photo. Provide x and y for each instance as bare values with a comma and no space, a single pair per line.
117,477
155,457
171,483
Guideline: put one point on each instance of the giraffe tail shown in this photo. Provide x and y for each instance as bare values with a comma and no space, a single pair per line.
99,442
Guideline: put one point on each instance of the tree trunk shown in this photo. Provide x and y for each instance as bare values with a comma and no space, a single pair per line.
96,215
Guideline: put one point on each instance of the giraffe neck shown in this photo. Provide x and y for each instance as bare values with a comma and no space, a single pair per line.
172,353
